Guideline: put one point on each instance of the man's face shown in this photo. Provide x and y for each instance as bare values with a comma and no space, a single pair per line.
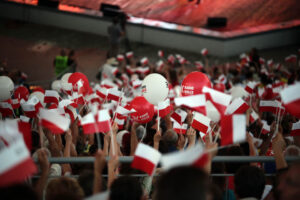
289,186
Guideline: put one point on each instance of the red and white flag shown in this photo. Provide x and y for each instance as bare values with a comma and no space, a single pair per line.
67,102
277,87
253,117
142,70
145,159
102,93
159,65
120,122
107,83
171,59
130,70
15,103
291,58
199,65
262,61
233,129
290,97
114,70
31,107
265,127
114,95
179,116
24,118
250,87
77,98
71,113
88,124
51,96
6,109
180,129
237,106
194,156
120,57
295,129
219,99
103,121
123,111
136,83
200,122
160,53
93,98
270,63
54,121
222,79
204,52
129,54
194,102
270,106
144,61
164,108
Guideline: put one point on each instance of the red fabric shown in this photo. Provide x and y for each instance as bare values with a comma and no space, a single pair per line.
143,165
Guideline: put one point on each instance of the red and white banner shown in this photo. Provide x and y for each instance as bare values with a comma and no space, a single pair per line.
114,95
164,108
54,121
250,87
233,129
291,58
219,99
237,106
31,107
194,156
204,52
295,129
51,96
103,121
200,122
145,159
180,129
88,124
194,102
179,116
253,117
290,97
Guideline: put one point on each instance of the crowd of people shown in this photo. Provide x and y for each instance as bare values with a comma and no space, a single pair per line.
267,134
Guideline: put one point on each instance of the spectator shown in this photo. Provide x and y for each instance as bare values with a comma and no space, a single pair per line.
60,63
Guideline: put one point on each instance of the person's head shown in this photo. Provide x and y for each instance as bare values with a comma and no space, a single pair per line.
18,191
64,188
170,137
182,183
288,186
249,181
126,188
86,182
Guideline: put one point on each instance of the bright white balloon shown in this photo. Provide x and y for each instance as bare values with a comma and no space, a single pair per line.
40,97
212,112
56,85
238,91
6,87
155,88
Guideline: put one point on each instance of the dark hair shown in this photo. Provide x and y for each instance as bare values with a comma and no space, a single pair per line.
249,181
182,183
126,188
86,182
19,191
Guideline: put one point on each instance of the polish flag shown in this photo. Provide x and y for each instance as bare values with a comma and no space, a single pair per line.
194,156
171,59
160,53
290,97
125,78
200,122
164,108
106,83
277,66
222,79
77,98
291,59
269,106
119,82
109,106
120,57
114,70
244,58
67,87
250,87
265,127
130,70
194,102
145,159
237,106
262,61
260,92
219,99
71,113
6,109
270,63
54,121
142,70
253,117
15,103
114,95
136,83
24,118
93,98
180,129
182,60
179,116
199,65
123,111
129,54
159,65
277,87
204,52
120,123
103,121
31,107
16,163
295,129
51,96
102,93
88,124
144,61
233,129
67,102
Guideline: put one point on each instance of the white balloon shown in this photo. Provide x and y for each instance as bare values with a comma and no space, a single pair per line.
6,87
65,77
56,85
40,97
155,88
238,91
212,112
